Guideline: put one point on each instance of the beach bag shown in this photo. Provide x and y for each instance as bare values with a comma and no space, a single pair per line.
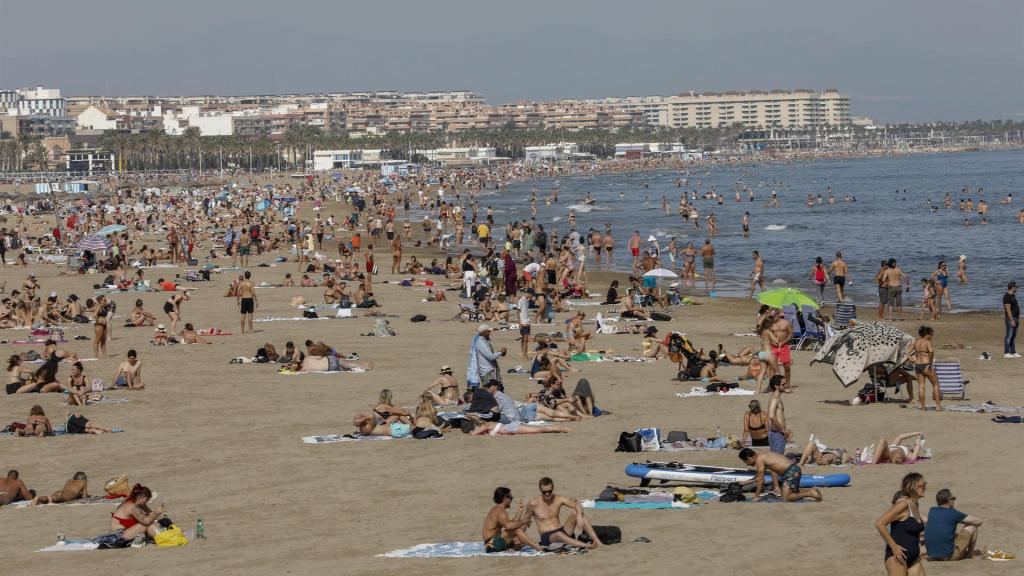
677,436
309,313
383,328
117,487
660,316
628,442
650,439
426,433
111,541
606,534
170,537
418,318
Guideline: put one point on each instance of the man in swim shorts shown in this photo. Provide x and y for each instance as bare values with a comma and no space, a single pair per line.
546,507
838,269
883,292
707,253
789,473
781,335
245,295
501,532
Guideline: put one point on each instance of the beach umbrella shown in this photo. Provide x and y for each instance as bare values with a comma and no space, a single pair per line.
93,243
852,351
661,273
111,229
779,297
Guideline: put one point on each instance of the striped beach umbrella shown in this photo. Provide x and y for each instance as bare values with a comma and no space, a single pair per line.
94,243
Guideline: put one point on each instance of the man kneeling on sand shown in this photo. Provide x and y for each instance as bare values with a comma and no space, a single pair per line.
501,532
788,472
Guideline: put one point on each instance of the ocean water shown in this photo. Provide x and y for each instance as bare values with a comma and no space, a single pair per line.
891,218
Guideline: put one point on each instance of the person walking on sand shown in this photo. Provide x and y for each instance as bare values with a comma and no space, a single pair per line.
923,356
245,297
901,527
1011,317
839,272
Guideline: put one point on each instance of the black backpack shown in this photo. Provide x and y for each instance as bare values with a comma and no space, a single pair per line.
733,493
606,534
418,318
629,442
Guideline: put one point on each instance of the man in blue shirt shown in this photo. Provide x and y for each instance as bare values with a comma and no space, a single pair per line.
950,534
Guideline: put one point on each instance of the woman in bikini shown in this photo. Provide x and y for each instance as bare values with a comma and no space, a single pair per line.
140,317
38,424
766,355
134,516
387,413
923,356
76,386
755,425
19,381
46,375
448,395
172,307
882,452
99,344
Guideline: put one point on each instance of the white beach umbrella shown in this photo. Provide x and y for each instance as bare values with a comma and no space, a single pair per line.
661,273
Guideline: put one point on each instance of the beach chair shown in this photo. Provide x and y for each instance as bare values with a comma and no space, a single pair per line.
951,380
845,314
813,329
468,313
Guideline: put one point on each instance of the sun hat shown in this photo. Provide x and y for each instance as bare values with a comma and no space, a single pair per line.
651,238
446,369
483,328
160,327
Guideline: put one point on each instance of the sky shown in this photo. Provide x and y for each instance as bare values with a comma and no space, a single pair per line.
899,60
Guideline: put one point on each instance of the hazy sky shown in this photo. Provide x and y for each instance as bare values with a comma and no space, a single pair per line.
900,60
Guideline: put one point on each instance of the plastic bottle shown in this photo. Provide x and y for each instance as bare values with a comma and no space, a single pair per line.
139,541
856,457
718,431
200,529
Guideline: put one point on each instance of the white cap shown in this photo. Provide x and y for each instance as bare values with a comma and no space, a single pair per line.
652,238
483,328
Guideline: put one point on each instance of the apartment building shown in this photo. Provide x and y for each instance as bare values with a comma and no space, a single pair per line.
756,109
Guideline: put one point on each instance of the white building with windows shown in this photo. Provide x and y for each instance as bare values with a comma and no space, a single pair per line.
552,152
324,160
37,101
474,155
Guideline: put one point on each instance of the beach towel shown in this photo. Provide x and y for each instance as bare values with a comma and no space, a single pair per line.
103,401
80,502
454,550
291,318
331,438
598,505
71,546
984,408
851,351
352,371
698,391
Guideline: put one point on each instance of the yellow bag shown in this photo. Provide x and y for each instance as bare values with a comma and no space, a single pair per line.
173,536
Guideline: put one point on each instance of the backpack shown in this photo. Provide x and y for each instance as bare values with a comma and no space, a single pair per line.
660,317
628,442
606,534
418,318
733,493
309,313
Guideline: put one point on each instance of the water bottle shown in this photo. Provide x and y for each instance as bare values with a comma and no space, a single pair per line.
60,539
856,459
718,431
200,529
139,541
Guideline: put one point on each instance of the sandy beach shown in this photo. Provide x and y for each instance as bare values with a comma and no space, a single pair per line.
223,442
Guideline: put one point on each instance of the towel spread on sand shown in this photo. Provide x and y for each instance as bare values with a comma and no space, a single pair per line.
104,400
71,546
328,438
698,391
454,550
79,502
984,408
353,370
599,505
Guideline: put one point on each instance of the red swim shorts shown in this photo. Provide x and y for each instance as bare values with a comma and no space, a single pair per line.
782,354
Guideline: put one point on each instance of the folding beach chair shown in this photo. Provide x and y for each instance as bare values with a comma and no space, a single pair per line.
845,314
468,313
813,329
951,380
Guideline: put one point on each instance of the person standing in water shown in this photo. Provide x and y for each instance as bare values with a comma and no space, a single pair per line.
757,274
839,272
707,253
819,277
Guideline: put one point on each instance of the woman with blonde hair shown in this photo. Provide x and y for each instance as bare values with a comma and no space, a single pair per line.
755,425
387,413
901,527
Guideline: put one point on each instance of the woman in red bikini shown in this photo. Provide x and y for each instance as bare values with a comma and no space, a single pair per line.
134,516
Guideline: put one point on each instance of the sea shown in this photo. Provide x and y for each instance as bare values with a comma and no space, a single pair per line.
889,214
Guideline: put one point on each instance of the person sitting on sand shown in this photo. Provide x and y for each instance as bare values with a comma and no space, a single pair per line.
577,335
513,428
75,488
553,396
548,363
13,489
788,473
950,534
38,424
822,455
547,507
78,392
708,372
426,417
532,410
140,317
387,412
652,347
46,375
190,336
366,425
160,336
501,533
129,373
329,363
448,395
79,424
883,451
19,381
134,516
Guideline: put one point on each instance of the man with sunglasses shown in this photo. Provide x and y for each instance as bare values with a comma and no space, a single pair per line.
546,508
950,534
501,532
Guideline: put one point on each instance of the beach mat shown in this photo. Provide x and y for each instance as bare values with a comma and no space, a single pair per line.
602,505
454,550
80,502
352,371
71,546
103,401
988,407
697,392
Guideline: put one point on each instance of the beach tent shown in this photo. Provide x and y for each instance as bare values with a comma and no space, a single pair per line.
852,351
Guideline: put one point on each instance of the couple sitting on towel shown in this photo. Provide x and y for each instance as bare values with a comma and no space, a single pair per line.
501,533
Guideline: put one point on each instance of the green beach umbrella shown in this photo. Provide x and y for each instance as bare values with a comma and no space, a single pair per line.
779,297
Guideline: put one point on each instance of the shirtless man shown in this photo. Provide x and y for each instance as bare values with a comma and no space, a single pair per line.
893,279
501,532
778,431
244,247
707,254
757,274
782,467
838,270
546,508
12,489
449,393
129,373
190,336
634,247
923,357
781,334
75,488
245,295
